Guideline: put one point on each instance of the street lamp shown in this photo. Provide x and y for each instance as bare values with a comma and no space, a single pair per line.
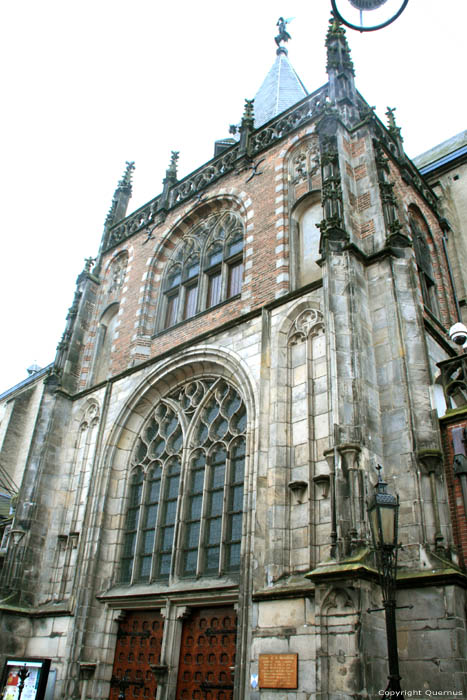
387,15
383,513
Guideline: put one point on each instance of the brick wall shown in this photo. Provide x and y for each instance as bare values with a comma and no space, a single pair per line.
456,502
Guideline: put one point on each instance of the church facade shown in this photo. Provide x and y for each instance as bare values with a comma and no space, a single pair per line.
245,351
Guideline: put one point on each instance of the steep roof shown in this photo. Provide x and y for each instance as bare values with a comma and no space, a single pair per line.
281,89
443,153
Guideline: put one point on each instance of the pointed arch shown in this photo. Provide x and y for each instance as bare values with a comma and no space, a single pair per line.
427,259
154,311
193,525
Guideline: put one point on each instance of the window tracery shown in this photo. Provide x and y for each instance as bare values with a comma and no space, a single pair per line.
205,269
185,498
421,236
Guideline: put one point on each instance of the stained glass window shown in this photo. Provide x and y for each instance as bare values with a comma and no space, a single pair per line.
198,533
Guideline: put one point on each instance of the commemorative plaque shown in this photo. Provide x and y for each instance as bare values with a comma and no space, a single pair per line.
278,671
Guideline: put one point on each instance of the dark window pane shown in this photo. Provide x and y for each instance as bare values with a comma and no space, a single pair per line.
198,481
145,567
172,309
191,296
164,565
195,508
148,541
154,488
172,491
214,289
170,511
212,559
236,498
132,519
234,285
190,562
235,247
192,270
213,534
167,538
173,279
218,473
193,534
217,499
233,557
235,527
151,516
129,544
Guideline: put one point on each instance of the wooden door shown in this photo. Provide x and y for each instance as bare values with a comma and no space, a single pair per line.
207,654
139,640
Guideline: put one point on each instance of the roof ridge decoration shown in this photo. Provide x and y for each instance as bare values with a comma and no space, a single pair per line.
283,35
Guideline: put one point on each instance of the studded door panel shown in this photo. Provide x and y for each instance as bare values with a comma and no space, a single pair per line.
139,640
207,655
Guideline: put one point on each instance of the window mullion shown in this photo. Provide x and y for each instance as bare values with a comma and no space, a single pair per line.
157,528
136,559
225,514
200,564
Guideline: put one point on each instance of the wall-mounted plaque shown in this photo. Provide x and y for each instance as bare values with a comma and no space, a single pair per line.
278,671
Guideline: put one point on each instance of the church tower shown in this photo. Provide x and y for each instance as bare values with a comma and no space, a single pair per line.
244,353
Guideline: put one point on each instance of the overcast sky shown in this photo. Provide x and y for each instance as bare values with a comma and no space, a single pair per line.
88,85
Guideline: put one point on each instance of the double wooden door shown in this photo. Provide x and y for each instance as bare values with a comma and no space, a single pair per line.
206,662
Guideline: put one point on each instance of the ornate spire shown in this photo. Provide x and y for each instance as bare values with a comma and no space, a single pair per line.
341,72
338,51
171,172
121,197
168,182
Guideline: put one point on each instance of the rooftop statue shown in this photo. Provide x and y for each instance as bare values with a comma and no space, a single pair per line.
283,35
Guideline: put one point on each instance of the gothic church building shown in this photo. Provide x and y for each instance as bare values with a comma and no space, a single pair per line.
193,469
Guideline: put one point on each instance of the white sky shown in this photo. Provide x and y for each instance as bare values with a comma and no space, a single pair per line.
88,85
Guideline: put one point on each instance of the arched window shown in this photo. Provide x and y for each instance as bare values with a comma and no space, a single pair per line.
195,530
104,341
421,236
305,240
205,269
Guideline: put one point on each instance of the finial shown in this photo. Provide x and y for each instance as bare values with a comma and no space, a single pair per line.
391,117
393,129
283,35
88,264
126,179
335,26
338,51
121,196
248,111
172,169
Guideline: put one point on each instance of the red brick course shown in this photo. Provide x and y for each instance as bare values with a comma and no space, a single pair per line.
456,503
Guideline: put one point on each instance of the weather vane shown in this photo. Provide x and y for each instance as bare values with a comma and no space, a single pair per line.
283,35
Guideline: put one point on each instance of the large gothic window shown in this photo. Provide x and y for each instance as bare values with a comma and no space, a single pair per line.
205,269
421,237
185,496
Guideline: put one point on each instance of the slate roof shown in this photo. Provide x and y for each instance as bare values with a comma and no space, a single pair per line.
281,89
443,153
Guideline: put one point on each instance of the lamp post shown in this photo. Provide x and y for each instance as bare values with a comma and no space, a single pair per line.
383,512
396,8
23,674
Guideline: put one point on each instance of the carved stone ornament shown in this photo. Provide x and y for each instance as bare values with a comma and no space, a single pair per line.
308,320
304,163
